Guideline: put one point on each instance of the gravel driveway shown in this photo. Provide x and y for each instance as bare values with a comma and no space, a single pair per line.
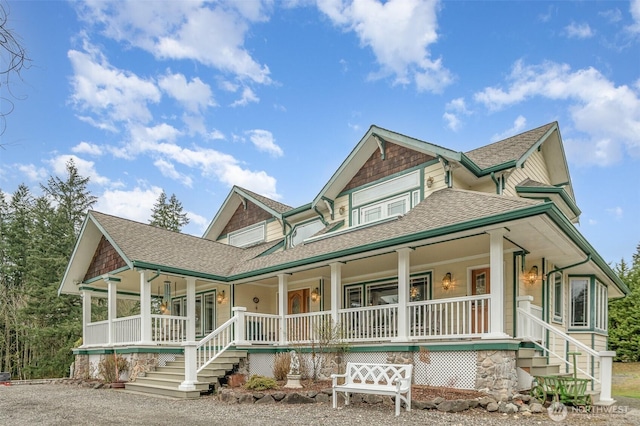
58,404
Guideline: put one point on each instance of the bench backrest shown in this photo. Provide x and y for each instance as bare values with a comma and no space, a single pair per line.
377,374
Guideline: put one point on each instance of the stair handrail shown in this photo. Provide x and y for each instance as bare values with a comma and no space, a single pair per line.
215,343
563,336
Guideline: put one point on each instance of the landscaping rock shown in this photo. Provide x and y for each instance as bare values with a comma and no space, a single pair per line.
312,394
507,408
373,399
492,406
419,405
296,398
278,396
267,399
438,400
430,404
258,395
322,397
485,400
245,399
536,408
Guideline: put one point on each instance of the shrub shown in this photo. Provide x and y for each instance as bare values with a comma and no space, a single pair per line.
111,366
259,383
281,365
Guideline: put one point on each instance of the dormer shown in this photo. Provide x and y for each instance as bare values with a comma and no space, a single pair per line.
246,219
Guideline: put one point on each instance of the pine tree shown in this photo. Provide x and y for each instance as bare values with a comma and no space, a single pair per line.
168,215
624,314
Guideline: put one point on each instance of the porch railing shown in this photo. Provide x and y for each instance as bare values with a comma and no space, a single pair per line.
371,323
213,345
166,329
261,328
309,327
445,318
97,333
127,329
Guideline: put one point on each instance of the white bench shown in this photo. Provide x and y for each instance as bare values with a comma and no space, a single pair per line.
380,379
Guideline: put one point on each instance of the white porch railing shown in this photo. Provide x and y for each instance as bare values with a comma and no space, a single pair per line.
97,333
537,331
127,329
557,344
309,327
166,329
213,345
456,317
261,328
371,323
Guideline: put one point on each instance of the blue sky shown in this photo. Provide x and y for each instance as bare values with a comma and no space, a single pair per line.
194,97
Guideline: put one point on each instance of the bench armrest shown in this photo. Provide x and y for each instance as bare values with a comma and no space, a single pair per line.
335,377
400,382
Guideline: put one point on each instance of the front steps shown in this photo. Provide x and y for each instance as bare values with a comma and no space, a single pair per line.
530,362
165,381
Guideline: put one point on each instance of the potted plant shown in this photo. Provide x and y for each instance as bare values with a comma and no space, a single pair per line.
111,368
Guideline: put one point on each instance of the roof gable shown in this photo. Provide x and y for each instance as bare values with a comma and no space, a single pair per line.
376,140
230,214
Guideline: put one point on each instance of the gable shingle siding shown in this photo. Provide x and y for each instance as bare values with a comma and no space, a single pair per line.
106,259
244,217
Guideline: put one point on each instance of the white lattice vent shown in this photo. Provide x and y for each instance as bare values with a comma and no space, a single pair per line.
261,364
164,358
449,369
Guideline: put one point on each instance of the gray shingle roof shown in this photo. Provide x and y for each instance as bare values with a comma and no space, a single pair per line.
510,149
146,243
272,204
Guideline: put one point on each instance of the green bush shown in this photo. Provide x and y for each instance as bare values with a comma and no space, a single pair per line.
259,383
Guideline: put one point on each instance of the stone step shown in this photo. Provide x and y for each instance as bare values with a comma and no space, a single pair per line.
163,390
172,383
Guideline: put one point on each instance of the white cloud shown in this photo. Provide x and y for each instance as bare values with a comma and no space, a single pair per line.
612,15
212,34
607,116
33,173
453,109
168,169
399,32
247,96
581,31
135,204
518,125
616,212
264,141
110,93
85,169
194,95
634,9
87,148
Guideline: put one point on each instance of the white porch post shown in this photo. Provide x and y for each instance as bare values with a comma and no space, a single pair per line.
112,307
282,306
86,314
145,310
336,283
606,365
238,312
496,263
190,374
403,293
524,325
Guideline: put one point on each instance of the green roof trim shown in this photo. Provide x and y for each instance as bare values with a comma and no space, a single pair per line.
297,210
400,347
478,172
127,350
553,190
537,145
179,271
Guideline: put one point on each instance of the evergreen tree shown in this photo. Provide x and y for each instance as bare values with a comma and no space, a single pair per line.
168,215
624,314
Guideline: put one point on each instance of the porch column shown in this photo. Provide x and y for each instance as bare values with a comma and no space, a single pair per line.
336,283
403,293
496,263
282,306
190,352
86,314
112,307
606,365
145,311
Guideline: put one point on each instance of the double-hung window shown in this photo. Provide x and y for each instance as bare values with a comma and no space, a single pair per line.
557,299
579,309
248,236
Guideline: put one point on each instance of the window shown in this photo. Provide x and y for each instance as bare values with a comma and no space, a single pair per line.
205,320
420,288
247,236
556,294
579,292
382,294
386,189
601,299
304,231
386,293
384,209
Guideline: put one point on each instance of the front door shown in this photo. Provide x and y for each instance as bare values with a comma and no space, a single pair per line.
480,284
298,303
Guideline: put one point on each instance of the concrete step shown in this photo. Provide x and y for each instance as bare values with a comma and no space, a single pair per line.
163,390
173,375
172,383
210,370
213,366
536,361
546,370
